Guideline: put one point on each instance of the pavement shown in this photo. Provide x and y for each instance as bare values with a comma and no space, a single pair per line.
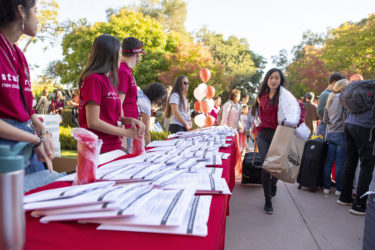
301,220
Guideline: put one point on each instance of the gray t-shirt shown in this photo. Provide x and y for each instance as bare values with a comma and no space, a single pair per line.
334,116
175,99
144,104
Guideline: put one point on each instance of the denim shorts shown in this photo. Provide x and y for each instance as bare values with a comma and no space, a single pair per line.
34,165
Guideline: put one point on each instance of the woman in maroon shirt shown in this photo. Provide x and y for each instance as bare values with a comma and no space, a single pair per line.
267,114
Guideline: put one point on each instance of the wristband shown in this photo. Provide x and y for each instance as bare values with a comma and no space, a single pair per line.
39,143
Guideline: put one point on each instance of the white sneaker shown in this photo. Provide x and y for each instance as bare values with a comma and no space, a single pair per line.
326,191
337,193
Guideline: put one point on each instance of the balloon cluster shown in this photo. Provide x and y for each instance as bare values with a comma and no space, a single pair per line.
204,104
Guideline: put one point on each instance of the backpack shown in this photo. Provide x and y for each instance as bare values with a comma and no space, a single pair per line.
358,97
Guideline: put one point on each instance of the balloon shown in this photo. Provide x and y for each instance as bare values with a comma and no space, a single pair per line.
197,106
205,74
198,94
211,104
209,121
200,120
355,78
210,92
205,107
202,88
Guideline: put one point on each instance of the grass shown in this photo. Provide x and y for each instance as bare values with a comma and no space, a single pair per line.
68,154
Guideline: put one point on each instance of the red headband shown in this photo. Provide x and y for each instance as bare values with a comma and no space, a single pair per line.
136,50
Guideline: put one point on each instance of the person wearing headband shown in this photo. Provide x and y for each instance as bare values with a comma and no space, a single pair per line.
127,88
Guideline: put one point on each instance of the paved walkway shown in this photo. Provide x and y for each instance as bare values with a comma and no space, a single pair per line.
301,220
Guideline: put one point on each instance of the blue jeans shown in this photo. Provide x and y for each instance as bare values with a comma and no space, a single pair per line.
336,151
36,174
321,129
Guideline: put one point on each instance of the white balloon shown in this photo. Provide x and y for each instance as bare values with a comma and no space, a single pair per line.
200,120
203,89
211,104
198,94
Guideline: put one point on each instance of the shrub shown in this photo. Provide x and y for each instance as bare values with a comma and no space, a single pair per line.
159,136
66,139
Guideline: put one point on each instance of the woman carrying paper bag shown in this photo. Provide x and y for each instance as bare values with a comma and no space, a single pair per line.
274,109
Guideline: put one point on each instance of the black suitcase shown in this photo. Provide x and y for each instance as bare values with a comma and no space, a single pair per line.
252,169
311,169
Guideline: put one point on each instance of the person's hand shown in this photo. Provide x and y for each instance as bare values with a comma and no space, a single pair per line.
134,124
43,157
188,126
48,146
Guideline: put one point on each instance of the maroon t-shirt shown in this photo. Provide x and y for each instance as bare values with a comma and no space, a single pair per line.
128,85
14,74
98,88
267,112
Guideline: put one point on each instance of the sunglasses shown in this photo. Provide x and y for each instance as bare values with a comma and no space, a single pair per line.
186,83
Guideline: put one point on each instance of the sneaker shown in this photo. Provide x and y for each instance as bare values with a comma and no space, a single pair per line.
268,209
342,203
358,210
338,193
326,191
273,190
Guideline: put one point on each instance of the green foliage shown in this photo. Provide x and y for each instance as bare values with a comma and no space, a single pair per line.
77,44
243,66
190,57
66,114
350,48
66,139
158,136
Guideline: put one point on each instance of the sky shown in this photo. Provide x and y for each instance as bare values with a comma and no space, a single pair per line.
268,25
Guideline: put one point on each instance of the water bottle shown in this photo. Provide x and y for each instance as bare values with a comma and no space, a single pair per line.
12,217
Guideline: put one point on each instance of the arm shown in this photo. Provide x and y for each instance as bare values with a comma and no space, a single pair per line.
10,132
325,117
94,122
321,105
146,120
122,99
224,116
178,116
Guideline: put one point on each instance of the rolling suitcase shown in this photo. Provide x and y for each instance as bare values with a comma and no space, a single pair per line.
252,169
311,169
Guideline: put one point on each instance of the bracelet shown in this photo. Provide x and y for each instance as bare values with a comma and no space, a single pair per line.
44,132
39,143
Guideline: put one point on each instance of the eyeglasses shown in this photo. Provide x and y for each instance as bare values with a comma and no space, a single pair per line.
186,83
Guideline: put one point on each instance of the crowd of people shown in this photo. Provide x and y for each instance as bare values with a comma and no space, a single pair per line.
109,103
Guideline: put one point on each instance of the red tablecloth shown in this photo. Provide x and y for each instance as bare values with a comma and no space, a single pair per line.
72,235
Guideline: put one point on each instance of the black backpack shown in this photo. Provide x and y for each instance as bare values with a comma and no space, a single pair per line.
358,97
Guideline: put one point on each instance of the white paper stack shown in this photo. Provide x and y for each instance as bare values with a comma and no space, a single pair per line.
194,222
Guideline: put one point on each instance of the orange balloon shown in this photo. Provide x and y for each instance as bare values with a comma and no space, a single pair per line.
205,106
209,121
205,75
197,106
210,92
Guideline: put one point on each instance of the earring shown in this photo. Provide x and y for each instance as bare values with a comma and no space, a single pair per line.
23,26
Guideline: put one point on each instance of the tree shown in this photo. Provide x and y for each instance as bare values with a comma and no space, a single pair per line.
77,44
240,63
308,73
281,60
48,27
170,13
189,59
350,48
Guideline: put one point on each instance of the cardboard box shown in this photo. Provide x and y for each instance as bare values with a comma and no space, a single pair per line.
67,165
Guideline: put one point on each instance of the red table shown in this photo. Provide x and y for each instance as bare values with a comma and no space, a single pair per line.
72,235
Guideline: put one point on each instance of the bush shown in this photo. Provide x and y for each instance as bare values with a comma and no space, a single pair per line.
159,136
66,114
66,139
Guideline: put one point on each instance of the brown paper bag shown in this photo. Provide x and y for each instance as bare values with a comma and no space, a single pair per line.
284,155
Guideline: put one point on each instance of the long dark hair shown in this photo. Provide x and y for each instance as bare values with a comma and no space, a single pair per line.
264,88
8,10
103,58
177,88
